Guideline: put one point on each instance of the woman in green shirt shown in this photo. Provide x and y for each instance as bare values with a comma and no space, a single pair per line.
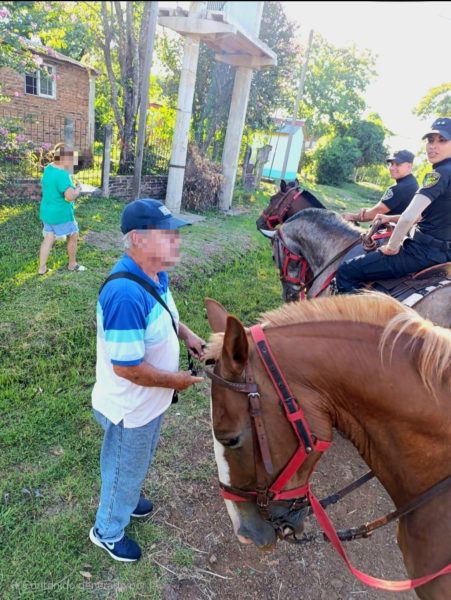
57,210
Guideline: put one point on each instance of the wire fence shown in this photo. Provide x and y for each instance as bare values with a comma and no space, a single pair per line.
156,155
27,141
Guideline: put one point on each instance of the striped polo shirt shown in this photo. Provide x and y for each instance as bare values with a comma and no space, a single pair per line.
133,327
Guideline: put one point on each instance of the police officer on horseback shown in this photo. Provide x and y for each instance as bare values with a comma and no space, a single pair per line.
430,209
398,196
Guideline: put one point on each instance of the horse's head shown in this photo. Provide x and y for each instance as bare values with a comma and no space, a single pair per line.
279,205
285,203
302,247
254,441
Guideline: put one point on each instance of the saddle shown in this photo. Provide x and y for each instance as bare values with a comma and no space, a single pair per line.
413,288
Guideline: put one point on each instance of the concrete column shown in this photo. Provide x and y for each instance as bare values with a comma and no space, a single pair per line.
237,117
183,119
235,126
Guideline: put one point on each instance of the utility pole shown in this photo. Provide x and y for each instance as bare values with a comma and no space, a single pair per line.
144,98
296,104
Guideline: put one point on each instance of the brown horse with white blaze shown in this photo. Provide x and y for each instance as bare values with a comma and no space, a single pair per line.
369,367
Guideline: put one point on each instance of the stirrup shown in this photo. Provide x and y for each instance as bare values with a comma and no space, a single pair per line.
333,288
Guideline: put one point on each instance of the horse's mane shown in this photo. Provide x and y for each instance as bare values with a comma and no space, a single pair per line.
377,309
313,200
324,219
373,308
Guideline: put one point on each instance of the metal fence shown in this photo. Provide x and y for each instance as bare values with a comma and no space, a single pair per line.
156,155
27,140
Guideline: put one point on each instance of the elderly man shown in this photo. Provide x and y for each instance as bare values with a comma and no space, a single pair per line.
398,196
137,372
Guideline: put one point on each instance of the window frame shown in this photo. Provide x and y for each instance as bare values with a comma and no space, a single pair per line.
37,75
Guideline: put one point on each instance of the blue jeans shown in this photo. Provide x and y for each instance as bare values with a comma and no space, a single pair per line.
125,458
411,258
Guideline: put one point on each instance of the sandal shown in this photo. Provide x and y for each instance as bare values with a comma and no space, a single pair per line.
77,268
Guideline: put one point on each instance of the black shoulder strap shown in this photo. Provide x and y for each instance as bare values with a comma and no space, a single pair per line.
146,285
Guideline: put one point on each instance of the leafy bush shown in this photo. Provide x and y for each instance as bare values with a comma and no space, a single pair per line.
203,179
14,151
421,169
306,166
377,174
334,159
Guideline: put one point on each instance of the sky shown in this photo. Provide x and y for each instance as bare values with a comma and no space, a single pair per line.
412,41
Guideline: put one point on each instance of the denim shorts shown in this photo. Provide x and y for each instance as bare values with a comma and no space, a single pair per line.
60,230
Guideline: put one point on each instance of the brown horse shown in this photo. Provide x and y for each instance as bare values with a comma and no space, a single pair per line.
285,203
369,367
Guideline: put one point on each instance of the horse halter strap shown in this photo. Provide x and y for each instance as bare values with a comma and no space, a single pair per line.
287,257
290,256
278,218
307,442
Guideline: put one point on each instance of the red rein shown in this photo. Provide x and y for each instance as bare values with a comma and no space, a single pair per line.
306,444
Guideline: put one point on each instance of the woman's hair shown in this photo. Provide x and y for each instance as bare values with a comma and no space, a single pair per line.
61,151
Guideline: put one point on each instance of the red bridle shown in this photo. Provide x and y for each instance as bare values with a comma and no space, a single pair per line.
288,261
265,495
301,496
278,215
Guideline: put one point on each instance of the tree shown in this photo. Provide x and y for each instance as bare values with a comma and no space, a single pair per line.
125,29
63,26
335,82
437,102
13,50
370,138
334,159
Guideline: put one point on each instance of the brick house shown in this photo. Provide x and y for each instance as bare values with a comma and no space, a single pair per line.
42,100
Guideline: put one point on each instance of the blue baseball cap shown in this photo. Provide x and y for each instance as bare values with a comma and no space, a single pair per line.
147,213
401,156
441,126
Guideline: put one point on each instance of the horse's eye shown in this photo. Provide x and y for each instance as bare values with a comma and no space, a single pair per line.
232,443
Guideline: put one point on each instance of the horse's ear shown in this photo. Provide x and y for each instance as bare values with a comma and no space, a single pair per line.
217,315
235,349
283,185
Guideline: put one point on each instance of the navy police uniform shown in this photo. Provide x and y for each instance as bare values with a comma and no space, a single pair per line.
430,244
398,196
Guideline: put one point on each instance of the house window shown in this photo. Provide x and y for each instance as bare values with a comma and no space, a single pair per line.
41,83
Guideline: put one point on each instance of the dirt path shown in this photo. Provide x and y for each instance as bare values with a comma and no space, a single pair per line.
194,517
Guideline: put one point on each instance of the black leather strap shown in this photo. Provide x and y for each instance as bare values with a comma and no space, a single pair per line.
146,285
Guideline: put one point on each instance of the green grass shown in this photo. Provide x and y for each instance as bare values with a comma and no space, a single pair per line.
49,442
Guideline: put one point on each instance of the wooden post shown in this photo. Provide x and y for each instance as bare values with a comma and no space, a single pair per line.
260,161
106,160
